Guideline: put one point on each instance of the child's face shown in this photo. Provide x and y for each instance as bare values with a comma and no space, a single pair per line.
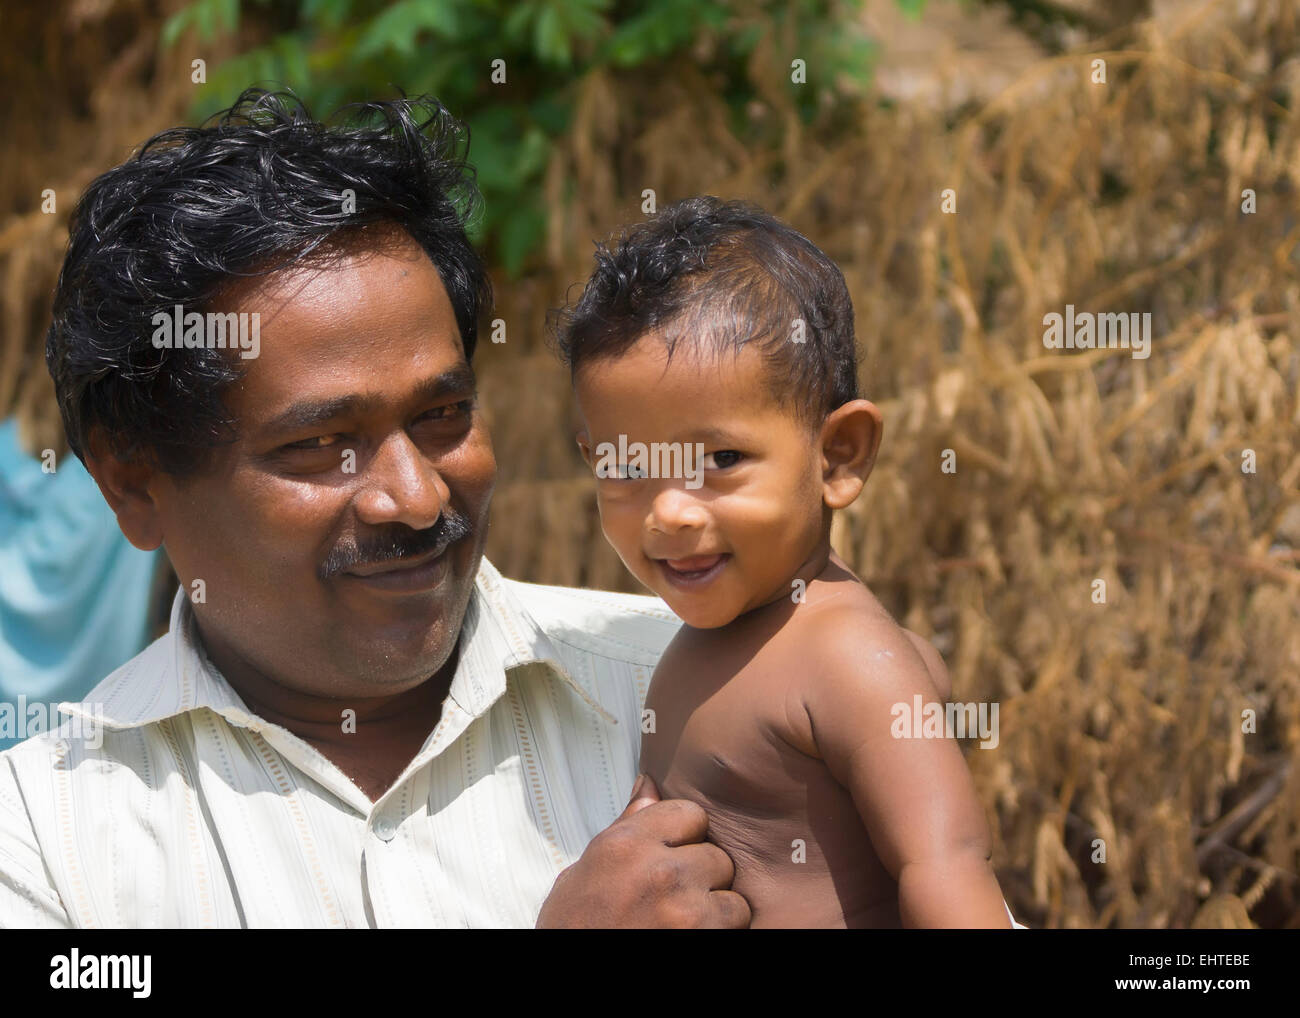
727,534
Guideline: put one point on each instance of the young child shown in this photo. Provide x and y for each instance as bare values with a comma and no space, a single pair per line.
713,360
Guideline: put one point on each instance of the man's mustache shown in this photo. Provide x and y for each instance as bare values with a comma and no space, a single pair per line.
397,543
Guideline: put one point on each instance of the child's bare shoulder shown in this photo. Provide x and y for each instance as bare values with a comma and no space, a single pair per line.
847,626
855,656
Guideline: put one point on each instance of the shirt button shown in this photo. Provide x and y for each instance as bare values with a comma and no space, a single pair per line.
385,829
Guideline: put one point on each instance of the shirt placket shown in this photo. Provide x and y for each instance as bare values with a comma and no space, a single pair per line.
389,855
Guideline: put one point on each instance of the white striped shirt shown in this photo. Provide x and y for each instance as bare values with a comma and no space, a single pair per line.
194,812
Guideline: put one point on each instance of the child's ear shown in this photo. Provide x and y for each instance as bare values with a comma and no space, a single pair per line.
584,446
850,439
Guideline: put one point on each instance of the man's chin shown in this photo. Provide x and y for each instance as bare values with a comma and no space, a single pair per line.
389,642
406,645
388,670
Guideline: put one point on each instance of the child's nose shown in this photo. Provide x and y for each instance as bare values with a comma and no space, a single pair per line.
674,509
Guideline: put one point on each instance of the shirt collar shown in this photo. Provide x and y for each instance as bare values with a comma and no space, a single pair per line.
174,675
500,635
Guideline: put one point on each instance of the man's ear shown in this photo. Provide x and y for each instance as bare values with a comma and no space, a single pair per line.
850,439
127,487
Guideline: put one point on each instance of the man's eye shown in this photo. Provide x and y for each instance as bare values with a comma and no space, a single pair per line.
445,413
317,442
722,459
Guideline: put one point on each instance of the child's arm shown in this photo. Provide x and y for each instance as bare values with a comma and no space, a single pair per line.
915,795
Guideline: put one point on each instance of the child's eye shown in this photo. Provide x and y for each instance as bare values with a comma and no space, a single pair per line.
722,459
628,472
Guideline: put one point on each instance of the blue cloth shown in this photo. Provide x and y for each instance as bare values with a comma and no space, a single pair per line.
74,594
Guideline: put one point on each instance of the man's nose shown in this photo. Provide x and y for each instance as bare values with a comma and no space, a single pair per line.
401,485
673,508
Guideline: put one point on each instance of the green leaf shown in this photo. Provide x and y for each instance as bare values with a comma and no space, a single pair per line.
209,17
174,26
661,29
291,60
256,67
515,28
551,114
396,29
550,42
326,15
556,26
227,12
505,153
521,231
584,19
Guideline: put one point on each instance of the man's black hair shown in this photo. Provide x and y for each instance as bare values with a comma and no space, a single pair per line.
721,274
256,188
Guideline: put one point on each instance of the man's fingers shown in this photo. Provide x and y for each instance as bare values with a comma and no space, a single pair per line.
644,793
671,822
730,910
711,862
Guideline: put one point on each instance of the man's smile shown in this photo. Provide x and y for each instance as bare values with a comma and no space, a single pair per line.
416,574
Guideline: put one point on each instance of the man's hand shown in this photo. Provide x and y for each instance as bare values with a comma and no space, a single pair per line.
651,868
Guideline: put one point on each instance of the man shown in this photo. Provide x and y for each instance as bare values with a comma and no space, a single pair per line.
261,347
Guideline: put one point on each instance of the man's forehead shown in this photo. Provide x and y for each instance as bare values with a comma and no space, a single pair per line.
372,323
346,260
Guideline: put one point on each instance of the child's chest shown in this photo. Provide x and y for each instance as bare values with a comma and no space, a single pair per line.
717,727
722,737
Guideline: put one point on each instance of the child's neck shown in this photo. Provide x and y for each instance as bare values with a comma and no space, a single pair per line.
821,561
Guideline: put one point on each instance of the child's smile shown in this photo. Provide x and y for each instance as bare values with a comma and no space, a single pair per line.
693,573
